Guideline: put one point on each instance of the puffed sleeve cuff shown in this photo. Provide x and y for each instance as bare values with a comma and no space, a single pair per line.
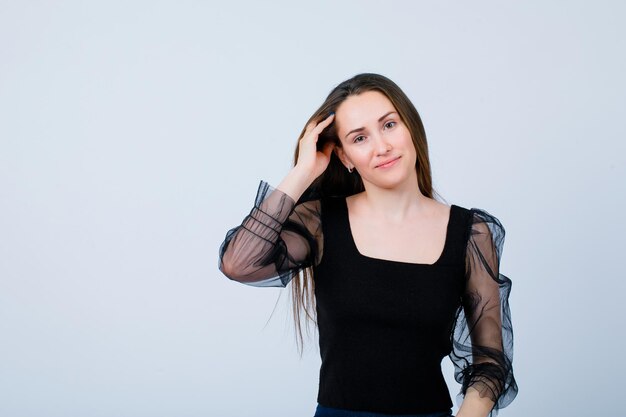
271,209
493,380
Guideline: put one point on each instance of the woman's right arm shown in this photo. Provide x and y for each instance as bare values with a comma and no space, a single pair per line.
279,238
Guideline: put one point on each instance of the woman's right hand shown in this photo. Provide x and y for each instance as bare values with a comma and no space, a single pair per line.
311,163
310,160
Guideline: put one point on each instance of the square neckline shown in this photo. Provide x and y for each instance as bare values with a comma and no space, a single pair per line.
346,216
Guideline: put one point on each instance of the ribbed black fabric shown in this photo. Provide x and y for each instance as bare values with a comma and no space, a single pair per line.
385,326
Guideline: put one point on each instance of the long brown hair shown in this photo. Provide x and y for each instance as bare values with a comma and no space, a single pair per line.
337,181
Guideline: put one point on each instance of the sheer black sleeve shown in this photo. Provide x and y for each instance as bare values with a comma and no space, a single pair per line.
483,335
274,242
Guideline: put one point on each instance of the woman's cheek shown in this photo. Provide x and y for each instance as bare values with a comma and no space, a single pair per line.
363,152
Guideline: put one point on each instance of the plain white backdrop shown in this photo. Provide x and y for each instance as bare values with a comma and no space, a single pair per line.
133,135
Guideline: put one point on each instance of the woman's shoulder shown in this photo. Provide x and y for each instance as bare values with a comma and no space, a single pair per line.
328,200
476,214
481,215
459,208
332,204
480,221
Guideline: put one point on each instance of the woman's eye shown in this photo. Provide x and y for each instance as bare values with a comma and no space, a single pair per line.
390,123
356,139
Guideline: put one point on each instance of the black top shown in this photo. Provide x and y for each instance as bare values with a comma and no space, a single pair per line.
384,325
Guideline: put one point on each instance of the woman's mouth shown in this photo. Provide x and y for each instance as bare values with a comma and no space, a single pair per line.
388,164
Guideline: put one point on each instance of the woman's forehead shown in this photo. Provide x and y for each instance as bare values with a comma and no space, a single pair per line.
363,109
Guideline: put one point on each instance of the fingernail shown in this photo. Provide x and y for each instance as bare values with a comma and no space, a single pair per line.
331,113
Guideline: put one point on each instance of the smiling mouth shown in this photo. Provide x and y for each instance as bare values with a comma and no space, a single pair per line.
387,163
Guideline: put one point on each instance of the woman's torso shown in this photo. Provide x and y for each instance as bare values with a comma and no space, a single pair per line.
385,325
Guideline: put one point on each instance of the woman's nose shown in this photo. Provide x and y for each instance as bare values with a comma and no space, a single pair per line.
382,145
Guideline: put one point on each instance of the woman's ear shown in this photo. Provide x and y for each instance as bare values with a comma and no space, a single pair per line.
342,157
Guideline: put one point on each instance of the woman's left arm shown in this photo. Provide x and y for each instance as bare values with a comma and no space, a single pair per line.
483,335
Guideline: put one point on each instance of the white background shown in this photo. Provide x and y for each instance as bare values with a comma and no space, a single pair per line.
134,134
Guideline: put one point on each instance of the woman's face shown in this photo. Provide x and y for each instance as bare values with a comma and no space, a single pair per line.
374,140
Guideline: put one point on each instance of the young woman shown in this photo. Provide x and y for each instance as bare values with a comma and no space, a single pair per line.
394,279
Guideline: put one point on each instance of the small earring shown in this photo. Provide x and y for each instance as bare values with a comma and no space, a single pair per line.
350,170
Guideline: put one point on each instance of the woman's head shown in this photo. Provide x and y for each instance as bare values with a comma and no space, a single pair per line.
375,142
344,100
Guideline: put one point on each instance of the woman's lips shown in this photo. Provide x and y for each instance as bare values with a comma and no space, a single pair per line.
388,164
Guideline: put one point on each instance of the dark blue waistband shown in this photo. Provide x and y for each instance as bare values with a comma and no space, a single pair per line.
322,411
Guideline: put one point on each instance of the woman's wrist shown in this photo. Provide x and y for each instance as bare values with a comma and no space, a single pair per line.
295,183
474,405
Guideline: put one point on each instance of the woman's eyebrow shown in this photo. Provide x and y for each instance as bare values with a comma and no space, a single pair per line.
362,128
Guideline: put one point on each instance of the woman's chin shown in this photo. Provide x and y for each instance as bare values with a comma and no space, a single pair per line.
391,181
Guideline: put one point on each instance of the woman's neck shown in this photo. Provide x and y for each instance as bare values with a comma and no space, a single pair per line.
395,205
